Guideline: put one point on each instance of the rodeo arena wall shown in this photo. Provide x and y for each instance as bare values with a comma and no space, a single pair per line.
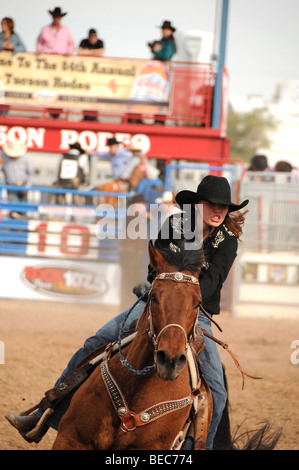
66,245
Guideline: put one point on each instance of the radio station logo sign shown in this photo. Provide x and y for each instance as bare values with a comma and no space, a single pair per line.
64,281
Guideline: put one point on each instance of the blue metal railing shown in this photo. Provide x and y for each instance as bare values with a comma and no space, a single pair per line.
15,234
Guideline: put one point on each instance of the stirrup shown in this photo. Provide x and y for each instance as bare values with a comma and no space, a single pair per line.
36,433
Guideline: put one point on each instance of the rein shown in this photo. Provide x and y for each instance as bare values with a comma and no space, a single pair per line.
178,277
146,370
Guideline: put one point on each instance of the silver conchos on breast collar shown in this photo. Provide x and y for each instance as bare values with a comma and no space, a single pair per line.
179,277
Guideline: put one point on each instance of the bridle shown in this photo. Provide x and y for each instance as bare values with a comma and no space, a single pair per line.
177,277
129,419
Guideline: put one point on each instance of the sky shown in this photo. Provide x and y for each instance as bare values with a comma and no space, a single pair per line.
262,39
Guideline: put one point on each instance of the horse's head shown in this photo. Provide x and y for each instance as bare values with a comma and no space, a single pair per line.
173,307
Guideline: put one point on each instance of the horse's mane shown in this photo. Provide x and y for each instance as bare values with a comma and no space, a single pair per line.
181,258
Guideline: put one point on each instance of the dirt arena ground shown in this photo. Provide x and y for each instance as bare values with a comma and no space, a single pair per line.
40,337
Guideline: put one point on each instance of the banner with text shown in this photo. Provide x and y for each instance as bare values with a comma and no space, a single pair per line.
87,83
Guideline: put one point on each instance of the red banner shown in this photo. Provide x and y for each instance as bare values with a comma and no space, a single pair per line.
185,143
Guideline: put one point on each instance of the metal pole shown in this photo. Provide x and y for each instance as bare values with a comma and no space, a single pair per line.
221,61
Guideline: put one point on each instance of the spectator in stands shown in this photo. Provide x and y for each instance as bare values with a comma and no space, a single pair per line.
18,170
165,48
92,45
55,38
283,166
258,163
9,40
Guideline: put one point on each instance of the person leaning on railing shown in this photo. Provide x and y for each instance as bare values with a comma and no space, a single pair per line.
17,167
18,170
9,40
92,45
55,38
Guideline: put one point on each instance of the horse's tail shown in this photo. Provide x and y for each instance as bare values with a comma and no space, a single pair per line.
262,438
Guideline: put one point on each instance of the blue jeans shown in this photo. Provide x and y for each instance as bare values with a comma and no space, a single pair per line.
213,373
211,365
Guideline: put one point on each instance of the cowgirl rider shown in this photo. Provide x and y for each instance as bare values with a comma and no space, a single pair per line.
208,215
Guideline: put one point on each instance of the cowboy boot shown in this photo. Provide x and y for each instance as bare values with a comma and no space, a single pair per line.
25,425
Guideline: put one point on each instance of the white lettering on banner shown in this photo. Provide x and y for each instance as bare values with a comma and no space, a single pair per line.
97,141
34,137
142,140
31,136
67,137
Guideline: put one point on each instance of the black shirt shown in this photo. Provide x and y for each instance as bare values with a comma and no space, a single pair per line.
220,251
85,44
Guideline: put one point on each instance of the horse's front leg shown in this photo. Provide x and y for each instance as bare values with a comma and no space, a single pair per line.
90,421
95,431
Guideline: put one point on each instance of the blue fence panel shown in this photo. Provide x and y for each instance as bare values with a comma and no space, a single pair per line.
15,235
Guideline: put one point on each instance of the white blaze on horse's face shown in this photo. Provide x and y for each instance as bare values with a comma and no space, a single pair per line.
174,310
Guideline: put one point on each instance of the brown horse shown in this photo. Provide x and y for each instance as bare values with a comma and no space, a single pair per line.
146,404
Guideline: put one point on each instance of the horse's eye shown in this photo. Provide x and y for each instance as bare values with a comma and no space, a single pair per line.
154,299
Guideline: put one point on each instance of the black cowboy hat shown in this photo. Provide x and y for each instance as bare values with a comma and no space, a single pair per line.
167,25
214,189
112,141
57,13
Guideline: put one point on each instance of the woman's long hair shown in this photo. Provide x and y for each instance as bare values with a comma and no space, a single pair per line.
234,221
10,24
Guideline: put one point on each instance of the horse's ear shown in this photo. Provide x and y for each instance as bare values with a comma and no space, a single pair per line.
155,258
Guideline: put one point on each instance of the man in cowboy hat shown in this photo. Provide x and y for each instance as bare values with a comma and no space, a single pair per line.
117,156
165,48
17,167
55,38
